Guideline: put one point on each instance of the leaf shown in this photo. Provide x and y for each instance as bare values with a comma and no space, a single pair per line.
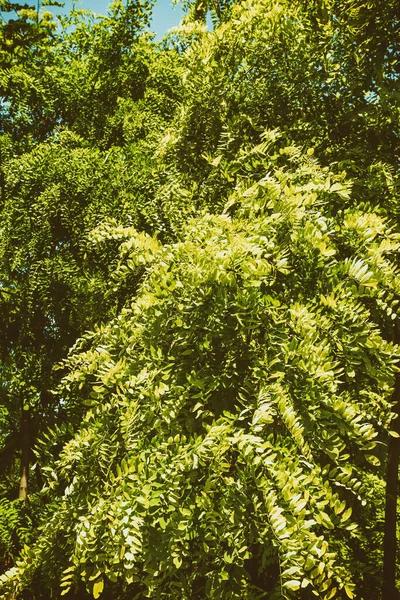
129,556
291,571
310,563
293,584
347,514
373,460
216,161
177,561
65,591
98,588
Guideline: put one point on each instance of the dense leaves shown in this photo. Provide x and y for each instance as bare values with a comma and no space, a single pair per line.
211,226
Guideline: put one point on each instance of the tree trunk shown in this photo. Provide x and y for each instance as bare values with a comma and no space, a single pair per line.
389,540
26,438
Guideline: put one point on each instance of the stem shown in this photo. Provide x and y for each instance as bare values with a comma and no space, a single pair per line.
25,436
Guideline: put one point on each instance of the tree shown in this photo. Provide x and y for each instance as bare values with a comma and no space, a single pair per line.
230,405
56,186
222,429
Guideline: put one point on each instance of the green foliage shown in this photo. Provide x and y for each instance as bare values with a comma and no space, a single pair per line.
238,405
210,227
9,519
16,523
289,66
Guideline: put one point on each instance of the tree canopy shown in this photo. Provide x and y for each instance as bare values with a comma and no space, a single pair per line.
199,289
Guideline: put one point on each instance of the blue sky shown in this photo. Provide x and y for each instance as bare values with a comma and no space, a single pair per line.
165,15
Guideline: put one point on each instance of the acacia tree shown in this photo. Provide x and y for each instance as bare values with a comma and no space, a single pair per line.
227,428
237,407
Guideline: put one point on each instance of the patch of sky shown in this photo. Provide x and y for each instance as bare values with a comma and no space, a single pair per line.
165,14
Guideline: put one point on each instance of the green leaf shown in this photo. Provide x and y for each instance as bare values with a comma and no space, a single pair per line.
98,588
394,434
348,591
293,584
177,561
347,514
374,460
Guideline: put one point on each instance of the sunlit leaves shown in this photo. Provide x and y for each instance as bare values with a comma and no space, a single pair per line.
228,411
218,393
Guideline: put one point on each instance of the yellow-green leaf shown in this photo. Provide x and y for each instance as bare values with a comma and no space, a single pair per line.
347,514
98,588
348,591
293,584
177,561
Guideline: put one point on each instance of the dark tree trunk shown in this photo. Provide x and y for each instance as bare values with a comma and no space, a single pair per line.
389,541
26,443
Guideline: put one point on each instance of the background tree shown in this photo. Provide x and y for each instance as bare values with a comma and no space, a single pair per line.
56,186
